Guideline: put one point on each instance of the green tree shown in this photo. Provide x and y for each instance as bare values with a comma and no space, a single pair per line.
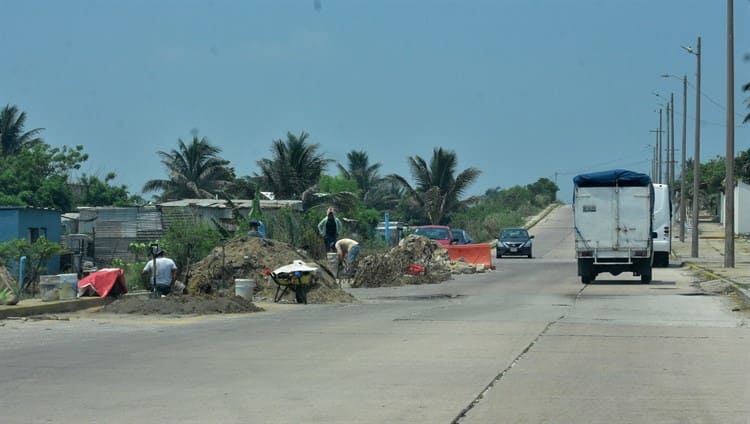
544,191
37,175
742,166
194,171
438,189
329,184
92,191
359,169
295,166
12,134
37,253
187,241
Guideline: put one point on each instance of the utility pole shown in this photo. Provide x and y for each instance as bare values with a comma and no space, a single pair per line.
697,157
683,198
655,162
729,188
659,146
671,147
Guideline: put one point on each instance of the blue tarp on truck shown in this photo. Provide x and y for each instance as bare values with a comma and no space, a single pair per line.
611,178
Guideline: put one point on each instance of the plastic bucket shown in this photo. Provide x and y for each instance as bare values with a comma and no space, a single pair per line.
244,287
68,286
333,261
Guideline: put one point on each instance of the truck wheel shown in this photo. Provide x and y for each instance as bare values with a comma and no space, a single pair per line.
661,259
646,275
587,279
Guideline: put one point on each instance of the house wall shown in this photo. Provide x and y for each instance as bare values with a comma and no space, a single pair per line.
9,225
112,229
742,208
27,223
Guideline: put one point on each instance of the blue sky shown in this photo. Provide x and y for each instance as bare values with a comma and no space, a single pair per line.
520,89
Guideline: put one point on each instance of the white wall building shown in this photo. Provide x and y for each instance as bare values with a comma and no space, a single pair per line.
741,208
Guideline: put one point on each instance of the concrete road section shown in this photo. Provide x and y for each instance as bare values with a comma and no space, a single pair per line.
527,343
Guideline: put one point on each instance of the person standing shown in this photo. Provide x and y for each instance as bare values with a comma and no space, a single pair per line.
165,273
330,228
255,229
347,249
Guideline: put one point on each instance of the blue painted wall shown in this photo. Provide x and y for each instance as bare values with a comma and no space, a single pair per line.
23,222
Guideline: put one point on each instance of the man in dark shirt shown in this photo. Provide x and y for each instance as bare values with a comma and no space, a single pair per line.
330,228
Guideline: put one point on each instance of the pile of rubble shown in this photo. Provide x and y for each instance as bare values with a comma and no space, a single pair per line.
249,257
416,260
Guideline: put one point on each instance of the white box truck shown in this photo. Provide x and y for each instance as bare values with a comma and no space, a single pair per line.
662,221
612,215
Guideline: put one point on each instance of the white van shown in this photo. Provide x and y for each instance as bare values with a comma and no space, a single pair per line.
661,224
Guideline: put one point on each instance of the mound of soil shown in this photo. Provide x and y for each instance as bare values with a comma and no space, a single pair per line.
248,257
181,305
392,268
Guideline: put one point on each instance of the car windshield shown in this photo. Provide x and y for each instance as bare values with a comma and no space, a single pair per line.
514,233
433,233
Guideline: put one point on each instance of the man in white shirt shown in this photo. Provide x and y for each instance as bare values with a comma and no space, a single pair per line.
165,273
347,249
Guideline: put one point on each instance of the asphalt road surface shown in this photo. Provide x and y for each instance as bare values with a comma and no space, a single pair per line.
527,343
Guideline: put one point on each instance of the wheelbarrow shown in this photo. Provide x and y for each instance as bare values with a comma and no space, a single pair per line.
298,277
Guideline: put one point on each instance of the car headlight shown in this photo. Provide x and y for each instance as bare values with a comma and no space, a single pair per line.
527,244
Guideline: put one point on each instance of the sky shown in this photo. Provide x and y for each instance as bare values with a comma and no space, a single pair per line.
520,89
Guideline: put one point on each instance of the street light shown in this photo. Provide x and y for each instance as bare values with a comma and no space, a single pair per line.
696,159
683,214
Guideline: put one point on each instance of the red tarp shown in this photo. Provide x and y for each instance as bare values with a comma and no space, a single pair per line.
103,283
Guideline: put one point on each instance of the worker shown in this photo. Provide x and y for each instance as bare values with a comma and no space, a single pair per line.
347,250
165,274
255,229
330,228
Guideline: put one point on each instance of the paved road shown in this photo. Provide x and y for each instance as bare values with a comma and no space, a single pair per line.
527,343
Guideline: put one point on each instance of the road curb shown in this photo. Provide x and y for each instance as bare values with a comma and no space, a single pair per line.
61,306
741,292
54,307
538,218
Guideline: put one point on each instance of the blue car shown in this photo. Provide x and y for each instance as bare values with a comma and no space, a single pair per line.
515,242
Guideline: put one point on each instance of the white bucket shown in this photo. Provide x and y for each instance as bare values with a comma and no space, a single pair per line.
68,286
244,287
333,261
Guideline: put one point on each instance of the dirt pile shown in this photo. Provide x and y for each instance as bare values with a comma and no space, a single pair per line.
248,257
181,305
393,268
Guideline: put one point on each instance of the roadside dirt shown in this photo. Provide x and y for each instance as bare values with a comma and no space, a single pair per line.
211,280
181,305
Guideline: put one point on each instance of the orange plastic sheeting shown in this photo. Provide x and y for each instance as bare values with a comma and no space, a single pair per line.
479,253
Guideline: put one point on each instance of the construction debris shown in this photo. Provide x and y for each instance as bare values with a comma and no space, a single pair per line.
393,268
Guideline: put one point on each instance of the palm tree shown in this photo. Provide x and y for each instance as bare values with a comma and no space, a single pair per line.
360,170
294,167
195,171
438,190
12,136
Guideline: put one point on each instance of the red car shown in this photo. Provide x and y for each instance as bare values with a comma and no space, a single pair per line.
439,233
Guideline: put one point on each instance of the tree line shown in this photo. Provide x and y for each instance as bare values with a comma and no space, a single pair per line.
36,174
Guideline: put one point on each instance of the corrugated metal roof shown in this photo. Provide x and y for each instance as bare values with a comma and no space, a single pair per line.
240,203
